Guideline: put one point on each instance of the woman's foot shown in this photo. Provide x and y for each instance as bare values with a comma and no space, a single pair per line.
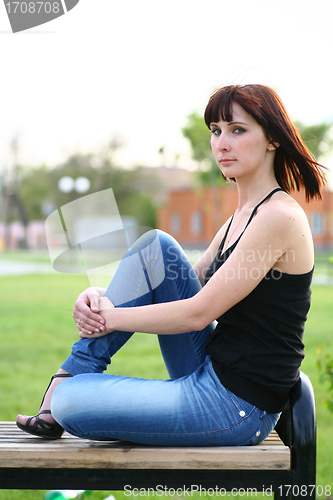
44,424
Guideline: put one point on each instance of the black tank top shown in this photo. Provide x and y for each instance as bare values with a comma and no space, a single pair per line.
220,257
256,347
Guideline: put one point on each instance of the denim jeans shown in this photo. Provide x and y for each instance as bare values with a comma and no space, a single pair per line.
192,408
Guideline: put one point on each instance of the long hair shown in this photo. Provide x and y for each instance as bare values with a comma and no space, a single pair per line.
294,165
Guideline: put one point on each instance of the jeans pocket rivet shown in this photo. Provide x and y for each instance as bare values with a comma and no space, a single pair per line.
258,433
242,413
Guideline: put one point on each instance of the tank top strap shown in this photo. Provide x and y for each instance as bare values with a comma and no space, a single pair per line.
260,203
225,235
228,251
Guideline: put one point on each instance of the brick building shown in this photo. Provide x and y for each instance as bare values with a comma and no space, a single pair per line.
194,216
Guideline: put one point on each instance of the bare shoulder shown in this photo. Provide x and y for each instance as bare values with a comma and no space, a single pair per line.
288,221
284,213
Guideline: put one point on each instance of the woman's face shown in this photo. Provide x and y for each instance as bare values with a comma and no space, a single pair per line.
241,146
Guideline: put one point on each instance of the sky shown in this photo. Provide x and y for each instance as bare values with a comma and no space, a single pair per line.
135,69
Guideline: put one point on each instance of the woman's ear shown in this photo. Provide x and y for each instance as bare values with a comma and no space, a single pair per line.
273,145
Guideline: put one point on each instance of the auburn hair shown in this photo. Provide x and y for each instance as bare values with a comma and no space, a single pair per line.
294,165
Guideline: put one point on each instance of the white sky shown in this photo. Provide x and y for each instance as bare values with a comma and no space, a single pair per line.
137,68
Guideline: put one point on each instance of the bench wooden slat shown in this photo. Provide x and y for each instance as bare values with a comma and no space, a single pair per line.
18,449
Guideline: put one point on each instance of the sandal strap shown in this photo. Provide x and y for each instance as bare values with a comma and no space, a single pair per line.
41,427
40,421
57,375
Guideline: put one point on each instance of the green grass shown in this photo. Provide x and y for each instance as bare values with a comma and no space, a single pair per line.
37,331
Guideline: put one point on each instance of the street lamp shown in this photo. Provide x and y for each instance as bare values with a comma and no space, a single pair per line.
66,184
80,185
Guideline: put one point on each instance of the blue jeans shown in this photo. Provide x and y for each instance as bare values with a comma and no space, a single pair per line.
192,408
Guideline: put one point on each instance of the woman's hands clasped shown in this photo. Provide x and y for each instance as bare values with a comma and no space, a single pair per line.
86,315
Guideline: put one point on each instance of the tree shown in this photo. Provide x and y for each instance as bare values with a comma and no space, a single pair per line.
133,189
209,174
35,190
317,137
11,203
198,135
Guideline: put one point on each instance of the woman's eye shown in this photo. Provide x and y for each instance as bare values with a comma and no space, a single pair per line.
215,131
239,130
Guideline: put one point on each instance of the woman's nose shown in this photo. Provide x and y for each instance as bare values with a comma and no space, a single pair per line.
222,143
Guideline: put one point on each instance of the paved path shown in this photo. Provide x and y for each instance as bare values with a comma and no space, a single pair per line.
17,267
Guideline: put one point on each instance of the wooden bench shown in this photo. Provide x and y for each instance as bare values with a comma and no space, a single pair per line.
283,464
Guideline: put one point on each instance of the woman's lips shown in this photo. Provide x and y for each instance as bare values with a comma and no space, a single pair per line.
226,161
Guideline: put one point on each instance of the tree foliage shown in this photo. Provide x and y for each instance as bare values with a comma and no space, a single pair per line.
133,189
316,137
198,135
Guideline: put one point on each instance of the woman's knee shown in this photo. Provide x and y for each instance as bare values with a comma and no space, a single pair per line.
167,241
63,402
152,238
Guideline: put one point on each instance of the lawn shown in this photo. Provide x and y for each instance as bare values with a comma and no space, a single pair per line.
37,332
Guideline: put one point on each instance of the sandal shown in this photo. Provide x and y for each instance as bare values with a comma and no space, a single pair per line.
40,427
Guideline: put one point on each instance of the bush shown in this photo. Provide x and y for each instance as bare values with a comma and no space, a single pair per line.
325,367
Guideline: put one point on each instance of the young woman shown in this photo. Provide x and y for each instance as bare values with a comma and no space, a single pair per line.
228,381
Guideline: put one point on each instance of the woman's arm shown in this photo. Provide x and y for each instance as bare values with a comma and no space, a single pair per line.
273,233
